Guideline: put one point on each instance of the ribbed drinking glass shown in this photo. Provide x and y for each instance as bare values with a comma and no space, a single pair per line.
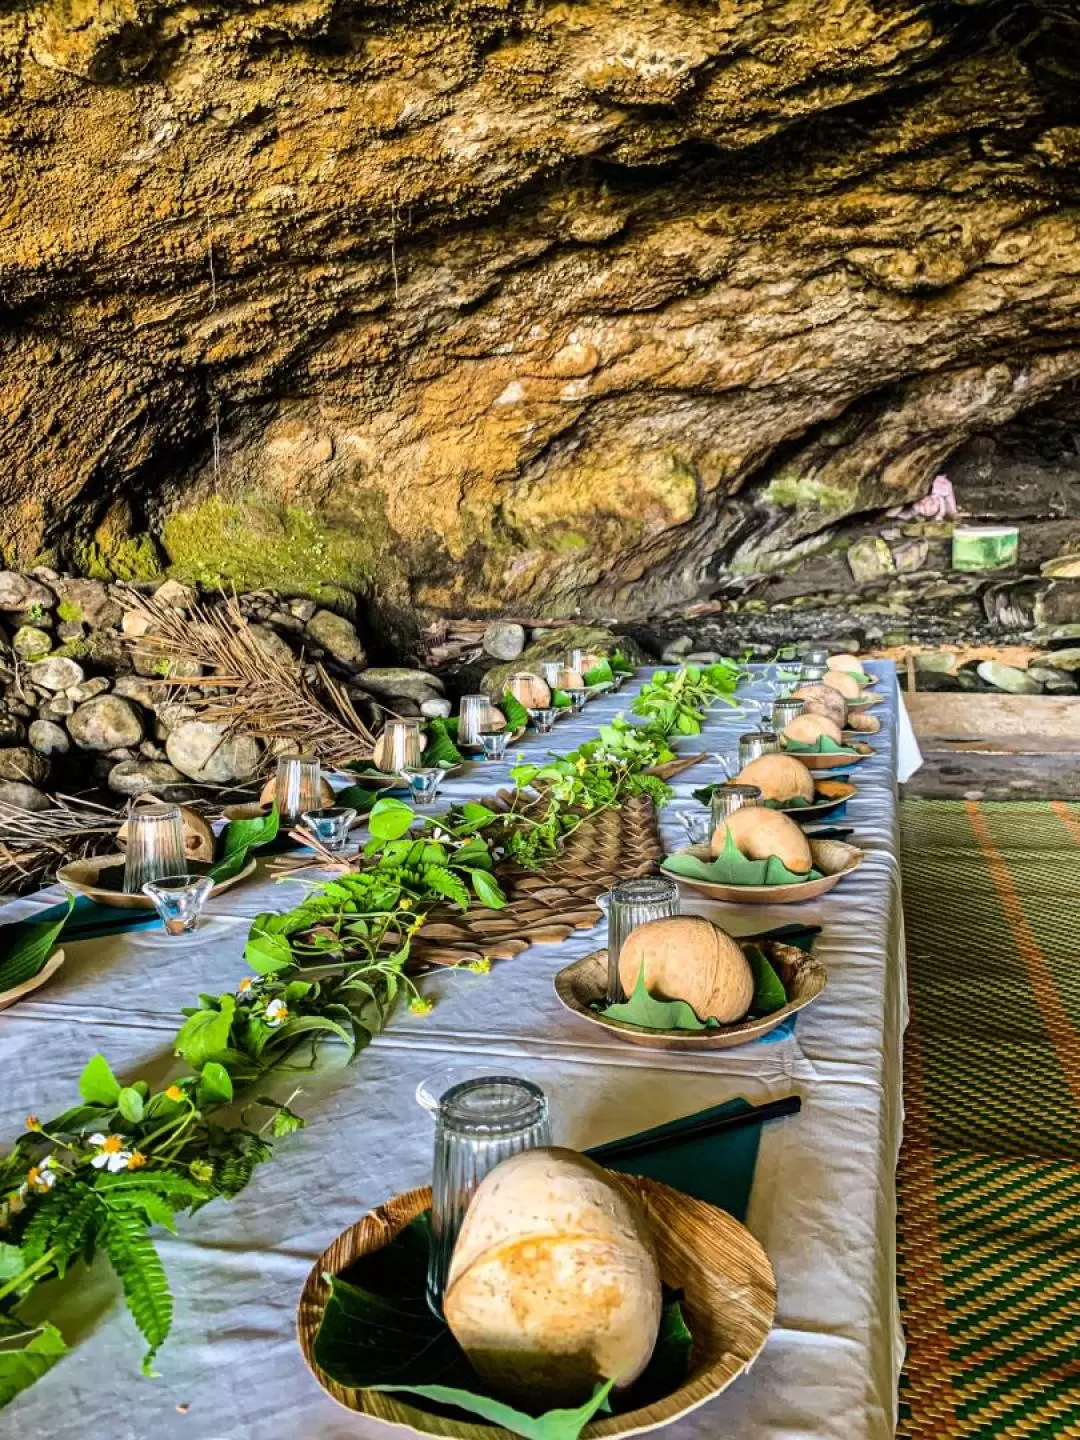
551,671
575,660
297,787
632,903
811,673
155,845
755,743
401,745
726,799
473,716
478,1123
785,709
816,654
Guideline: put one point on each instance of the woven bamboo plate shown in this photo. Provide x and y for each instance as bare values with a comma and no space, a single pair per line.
833,858
834,762
829,795
582,985
83,876
730,1305
47,971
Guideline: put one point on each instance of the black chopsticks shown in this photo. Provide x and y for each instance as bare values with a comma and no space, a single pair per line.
717,1125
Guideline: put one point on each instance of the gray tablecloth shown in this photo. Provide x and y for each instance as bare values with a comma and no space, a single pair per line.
823,1200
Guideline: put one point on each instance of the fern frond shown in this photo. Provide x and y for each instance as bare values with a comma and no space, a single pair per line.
65,1220
162,1182
154,1207
448,884
146,1288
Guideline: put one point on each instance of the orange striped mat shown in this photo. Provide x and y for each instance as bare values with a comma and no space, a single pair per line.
989,1179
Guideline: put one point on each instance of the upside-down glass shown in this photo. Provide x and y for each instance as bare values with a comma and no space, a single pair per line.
551,671
522,686
493,743
786,708
577,700
755,743
632,903
478,1123
726,799
401,745
473,716
330,826
575,659
155,845
179,900
298,786
816,655
811,674
424,782
543,720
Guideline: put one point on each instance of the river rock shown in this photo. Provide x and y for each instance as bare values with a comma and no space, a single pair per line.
58,708
302,610
57,673
1068,659
105,723
89,601
31,642
20,763
23,796
134,624
388,682
870,559
132,777
206,752
910,555
134,687
1009,678
96,685
48,738
175,595
337,636
19,592
674,652
435,709
1053,681
503,640
272,645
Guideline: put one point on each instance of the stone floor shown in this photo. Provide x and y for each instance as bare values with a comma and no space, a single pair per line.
951,774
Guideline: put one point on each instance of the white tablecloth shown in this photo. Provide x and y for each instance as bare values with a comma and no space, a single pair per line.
823,1198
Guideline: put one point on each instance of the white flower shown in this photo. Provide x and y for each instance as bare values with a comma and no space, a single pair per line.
277,1012
111,1154
41,1177
245,985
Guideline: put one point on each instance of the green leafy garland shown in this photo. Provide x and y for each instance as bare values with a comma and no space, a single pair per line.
126,1158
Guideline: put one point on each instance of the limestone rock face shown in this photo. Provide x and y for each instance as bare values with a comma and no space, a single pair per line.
490,306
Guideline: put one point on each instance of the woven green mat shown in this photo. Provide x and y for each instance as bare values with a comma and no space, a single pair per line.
989,1180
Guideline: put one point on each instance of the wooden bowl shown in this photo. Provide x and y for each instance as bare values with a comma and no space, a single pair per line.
84,877
581,985
730,1304
829,795
47,971
832,761
833,858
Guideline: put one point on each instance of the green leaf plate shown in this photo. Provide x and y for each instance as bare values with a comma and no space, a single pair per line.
729,1299
582,987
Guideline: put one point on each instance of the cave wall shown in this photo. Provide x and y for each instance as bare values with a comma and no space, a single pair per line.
485,305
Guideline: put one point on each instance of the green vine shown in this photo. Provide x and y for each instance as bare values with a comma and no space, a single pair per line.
332,969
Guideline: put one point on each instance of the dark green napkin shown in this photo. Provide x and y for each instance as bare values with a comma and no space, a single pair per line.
718,1169
88,919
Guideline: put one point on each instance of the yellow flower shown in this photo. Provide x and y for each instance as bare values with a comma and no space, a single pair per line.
174,1093
481,966
245,985
33,1123
405,903
136,1160
582,765
202,1171
421,1005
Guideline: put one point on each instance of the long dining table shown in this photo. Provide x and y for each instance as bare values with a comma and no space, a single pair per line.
822,1201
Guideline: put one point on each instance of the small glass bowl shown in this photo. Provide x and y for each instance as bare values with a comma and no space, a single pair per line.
179,900
698,825
493,743
543,720
577,700
330,826
424,782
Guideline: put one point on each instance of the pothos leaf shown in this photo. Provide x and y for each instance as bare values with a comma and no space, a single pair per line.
390,819
206,1033
488,890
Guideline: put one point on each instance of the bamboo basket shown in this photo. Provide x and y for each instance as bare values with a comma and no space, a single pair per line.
730,1305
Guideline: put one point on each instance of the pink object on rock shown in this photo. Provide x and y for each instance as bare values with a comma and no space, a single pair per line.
939,504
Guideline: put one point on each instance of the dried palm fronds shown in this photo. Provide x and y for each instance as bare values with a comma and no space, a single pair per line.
35,843
263,695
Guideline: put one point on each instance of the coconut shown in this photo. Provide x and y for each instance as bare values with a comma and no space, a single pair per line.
591,661
554,1285
760,833
778,777
844,683
688,958
198,837
326,790
850,663
571,679
823,700
529,689
808,729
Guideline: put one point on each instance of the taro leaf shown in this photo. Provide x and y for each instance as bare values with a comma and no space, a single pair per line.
25,1355
227,867
441,750
358,798
390,819
769,992
561,700
648,1013
733,868
517,717
553,1425
25,947
97,1083
244,835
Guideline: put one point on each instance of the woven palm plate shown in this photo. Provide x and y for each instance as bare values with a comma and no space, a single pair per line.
85,877
584,984
833,761
545,906
47,971
730,1304
833,858
829,795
